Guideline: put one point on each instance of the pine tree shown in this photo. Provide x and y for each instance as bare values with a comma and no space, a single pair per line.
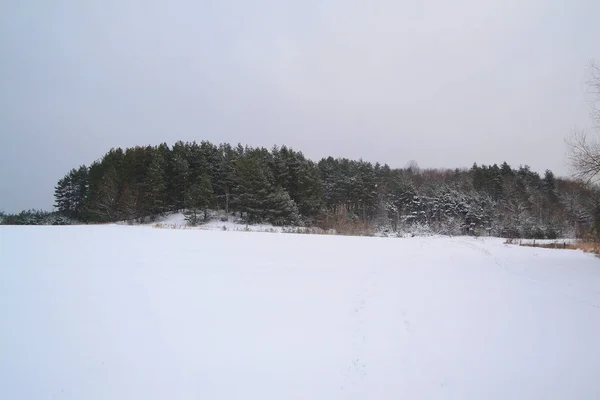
280,208
199,198
310,191
179,175
154,187
71,193
224,177
283,187
549,184
252,188
106,202
506,170
62,195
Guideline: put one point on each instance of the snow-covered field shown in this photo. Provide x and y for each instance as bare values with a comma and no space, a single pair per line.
119,312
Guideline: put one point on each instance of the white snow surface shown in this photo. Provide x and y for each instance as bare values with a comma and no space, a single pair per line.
177,221
119,312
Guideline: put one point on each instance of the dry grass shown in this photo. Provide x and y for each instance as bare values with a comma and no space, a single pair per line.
305,231
247,228
168,226
588,247
346,227
585,246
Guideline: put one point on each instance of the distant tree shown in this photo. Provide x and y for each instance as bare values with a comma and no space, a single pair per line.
594,90
413,167
252,188
584,156
309,196
105,207
506,170
580,211
34,217
71,193
199,199
62,195
154,187
281,186
224,177
281,209
179,175
584,151
549,185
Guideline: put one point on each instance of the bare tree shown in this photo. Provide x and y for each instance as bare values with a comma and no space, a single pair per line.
584,156
413,167
584,152
594,91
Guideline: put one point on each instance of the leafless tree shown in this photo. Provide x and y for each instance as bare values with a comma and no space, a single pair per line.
413,167
594,91
584,156
584,152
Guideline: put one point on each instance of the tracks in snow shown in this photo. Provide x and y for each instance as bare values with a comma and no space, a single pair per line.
356,369
376,316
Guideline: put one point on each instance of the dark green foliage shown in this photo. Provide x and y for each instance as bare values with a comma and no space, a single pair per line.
282,187
506,170
309,194
35,217
106,205
179,174
252,188
71,192
280,208
200,197
223,179
154,200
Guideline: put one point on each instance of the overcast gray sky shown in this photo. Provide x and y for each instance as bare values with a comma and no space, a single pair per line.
443,83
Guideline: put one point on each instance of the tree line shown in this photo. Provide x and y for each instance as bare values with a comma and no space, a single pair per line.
282,187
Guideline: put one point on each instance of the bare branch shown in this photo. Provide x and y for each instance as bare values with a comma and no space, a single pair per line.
584,154
584,157
594,90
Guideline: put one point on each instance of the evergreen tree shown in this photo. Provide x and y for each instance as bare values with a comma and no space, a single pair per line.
549,184
71,193
224,177
280,208
62,195
107,197
154,187
283,187
506,170
179,175
252,188
199,199
309,196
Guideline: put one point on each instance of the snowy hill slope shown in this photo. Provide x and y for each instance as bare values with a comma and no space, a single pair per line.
123,312
220,221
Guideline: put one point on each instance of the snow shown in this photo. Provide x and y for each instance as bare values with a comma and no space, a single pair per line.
215,223
128,312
